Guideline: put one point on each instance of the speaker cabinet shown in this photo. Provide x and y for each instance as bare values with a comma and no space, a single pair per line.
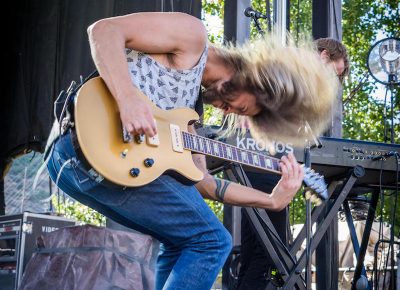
18,234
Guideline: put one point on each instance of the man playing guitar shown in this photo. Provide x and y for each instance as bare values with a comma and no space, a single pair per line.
165,57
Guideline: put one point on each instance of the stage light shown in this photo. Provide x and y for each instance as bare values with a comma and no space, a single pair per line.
384,66
384,61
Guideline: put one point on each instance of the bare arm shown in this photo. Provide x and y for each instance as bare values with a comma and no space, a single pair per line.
236,194
167,36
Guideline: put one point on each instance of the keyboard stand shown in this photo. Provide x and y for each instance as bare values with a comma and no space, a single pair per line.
291,268
361,251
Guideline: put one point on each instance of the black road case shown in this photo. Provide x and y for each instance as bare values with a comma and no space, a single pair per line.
18,234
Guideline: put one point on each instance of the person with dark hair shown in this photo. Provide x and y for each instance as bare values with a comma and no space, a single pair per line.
256,265
334,53
166,58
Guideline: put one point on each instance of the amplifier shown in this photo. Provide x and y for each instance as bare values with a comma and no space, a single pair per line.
18,234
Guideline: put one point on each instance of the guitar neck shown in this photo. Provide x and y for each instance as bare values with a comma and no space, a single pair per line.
210,147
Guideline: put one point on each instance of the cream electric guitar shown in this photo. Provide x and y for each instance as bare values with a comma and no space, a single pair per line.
140,160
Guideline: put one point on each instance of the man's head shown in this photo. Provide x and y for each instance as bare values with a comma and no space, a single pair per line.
334,53
231,93
286,87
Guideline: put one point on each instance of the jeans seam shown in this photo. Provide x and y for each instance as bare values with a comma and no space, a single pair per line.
216,237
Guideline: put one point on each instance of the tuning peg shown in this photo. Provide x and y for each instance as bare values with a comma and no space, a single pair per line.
308,194
318,202
313,198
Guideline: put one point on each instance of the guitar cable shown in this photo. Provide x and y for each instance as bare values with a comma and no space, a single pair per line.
71,91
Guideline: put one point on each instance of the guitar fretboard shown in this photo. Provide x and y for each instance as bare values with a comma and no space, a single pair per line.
221,150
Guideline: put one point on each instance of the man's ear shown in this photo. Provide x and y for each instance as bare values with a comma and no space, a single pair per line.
324,55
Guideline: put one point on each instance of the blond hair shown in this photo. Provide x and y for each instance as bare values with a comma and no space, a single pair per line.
291,84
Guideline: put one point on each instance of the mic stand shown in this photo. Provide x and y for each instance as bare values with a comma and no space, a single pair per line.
257,24
392,81
307,163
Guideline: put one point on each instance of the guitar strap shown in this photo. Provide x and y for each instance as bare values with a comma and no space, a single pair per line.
63,112
198,107
87,167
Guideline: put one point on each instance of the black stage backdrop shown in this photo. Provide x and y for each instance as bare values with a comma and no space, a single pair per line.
46,47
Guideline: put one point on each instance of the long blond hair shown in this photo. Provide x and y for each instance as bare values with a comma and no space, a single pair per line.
291,84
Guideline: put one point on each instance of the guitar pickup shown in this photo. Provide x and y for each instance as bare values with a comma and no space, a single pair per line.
176,138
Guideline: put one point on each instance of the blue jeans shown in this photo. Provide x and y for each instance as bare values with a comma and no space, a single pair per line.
194,244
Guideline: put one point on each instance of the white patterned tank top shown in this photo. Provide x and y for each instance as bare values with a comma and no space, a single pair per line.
168,88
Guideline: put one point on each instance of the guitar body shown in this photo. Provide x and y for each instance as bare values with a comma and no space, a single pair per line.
99,133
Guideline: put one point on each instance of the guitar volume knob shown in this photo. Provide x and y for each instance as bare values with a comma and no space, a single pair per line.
139,138
148,162
134,172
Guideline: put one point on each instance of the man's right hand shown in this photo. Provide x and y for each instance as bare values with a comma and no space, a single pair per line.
136,116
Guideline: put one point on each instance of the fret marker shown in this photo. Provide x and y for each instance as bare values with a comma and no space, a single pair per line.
216,149
208,146
201,145
229,152
256,159
244,156
194,142
268,162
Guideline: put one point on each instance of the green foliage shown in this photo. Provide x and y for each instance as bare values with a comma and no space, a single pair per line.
212,15
297,209
300,18
212,116
217,207
77,211
364,23
213,7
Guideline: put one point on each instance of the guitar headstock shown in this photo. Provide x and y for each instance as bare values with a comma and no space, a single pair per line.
317,185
